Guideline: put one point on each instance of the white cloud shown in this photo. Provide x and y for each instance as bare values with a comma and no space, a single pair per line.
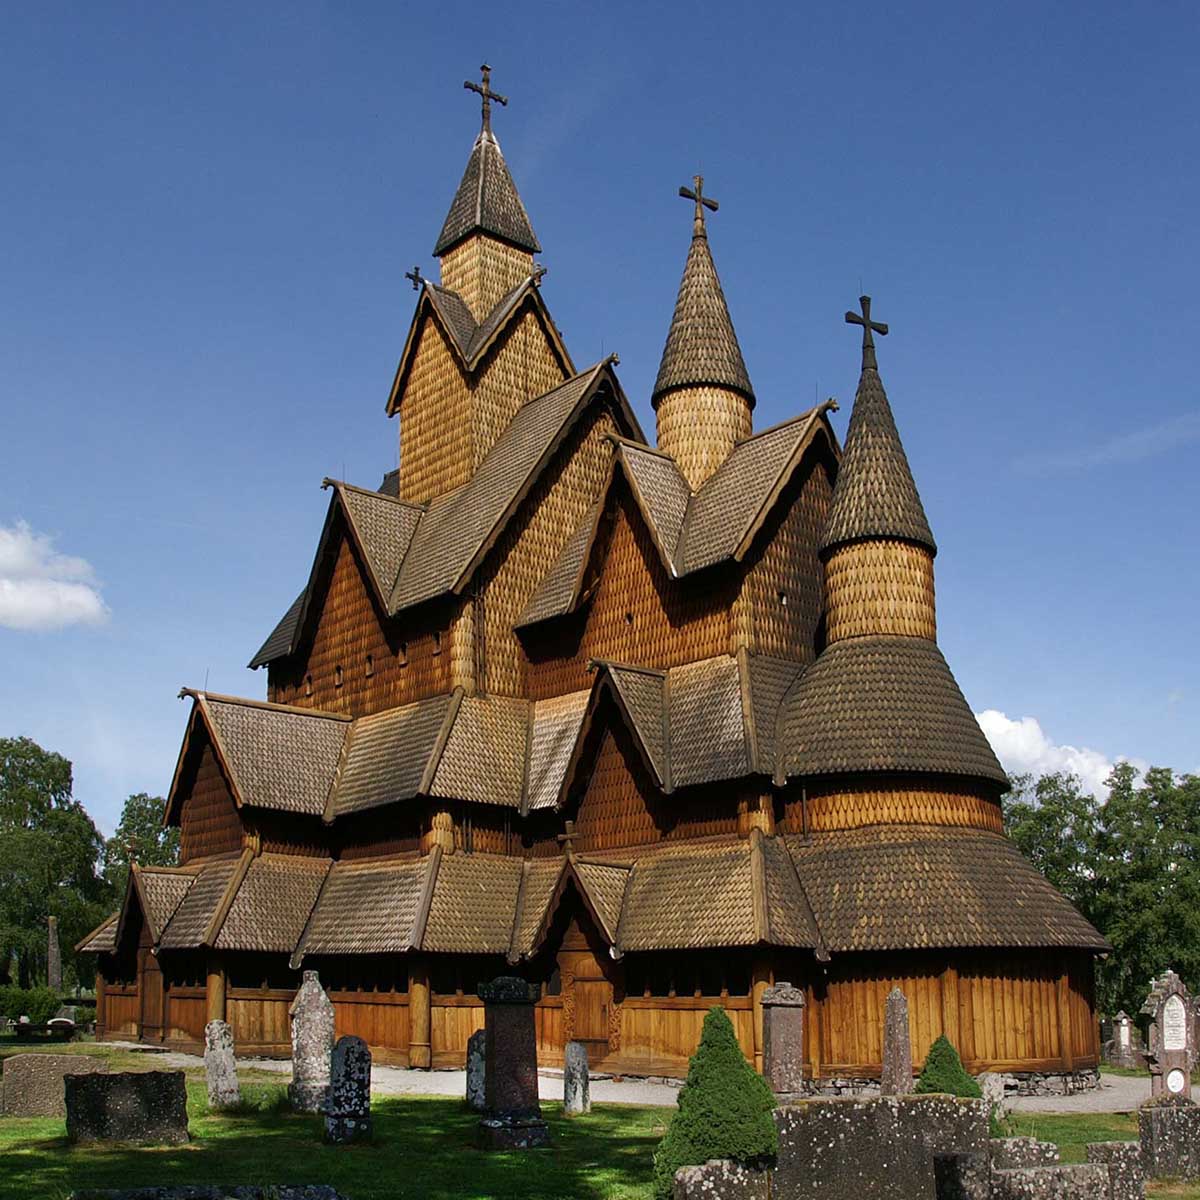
1023,748
41,588
1128,446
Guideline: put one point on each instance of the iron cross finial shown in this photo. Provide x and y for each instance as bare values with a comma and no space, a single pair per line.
485,90
567,838
416,277
696,193
868,327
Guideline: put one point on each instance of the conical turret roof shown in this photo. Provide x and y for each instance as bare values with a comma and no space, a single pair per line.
702,347
487,201
875,496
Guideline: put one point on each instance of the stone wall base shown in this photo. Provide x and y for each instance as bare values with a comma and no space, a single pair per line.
1023,1083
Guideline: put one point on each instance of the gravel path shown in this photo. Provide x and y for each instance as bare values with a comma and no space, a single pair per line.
1117,1093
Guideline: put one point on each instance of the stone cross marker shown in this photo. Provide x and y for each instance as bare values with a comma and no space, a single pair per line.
348,1115
220,1068
897,1079
1171,1037
312,1045
513,1120
477,1070
783,1038
53,956
577,1098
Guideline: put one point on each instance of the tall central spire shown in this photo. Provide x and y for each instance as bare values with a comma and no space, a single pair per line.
487,243
702,396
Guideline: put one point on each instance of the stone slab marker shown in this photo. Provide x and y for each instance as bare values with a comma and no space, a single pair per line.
1171,1032
33,1083
149,1107
513,1120
312,1046
53,956
897,1078
1169,1132
220,1067
1126,1174
783,1038
577,1097
348,1115
477,1070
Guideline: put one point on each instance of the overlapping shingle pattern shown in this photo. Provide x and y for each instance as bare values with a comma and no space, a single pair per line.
706,722
272,903
539,879
604,884
282,638
102,939
643,699
474,902
885,703
875,496
384,527
162,891
485,754
190,925
487,202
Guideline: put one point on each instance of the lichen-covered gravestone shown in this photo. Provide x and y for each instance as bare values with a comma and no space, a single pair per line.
348,1115
33,1083
577,1097
1171,1031
477,1070
783,1038
148,1107
513,1120
312,1046
220,1067
897,1078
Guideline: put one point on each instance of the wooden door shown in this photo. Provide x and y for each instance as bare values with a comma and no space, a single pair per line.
151,991
589,998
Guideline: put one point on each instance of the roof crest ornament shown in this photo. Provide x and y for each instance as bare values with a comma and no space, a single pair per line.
696,193
485,91
868,326
416,277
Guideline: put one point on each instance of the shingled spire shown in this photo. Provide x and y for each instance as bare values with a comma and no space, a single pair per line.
702,396
877,544
487,243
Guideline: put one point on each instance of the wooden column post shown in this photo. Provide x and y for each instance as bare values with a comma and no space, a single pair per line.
215,989
101,999
950,1022
1065,1040
761,977
420,1053
812,1041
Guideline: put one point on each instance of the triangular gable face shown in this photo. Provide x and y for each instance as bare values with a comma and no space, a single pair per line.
202,802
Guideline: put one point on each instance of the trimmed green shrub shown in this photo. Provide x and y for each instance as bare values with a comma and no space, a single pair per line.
38,1004
943,1072
724,1109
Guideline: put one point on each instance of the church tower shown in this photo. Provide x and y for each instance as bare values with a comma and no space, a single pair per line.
702,397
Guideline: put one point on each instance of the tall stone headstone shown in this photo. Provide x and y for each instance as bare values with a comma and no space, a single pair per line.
897,1078
577,1098
348,1113
312,1046
477,1070
1170,1043
220,1067
783,1038
53,956
513,1120
1124,1049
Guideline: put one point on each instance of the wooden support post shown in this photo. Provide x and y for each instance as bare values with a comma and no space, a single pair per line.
761,977
812,1040
950,1022
419,1050
1065,1040
216,989
100,1002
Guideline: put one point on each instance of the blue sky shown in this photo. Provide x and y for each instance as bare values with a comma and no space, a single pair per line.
206,212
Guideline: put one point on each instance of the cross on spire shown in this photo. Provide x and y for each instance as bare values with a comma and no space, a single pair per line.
416,277
696,193
868,327
485,90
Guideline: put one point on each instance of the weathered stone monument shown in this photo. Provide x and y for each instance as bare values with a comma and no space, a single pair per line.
1124,1049
512,1120
348,1113
1169,1131
897,1077
783,1038
148,1107
1126,1173
577,1098
312,1046
1170,1042
33,1083
220,1067
53,956
477,1070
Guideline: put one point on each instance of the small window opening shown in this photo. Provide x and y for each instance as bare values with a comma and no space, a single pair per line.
337,677
308,685
629,618
402,654
437,642
370,665
783,601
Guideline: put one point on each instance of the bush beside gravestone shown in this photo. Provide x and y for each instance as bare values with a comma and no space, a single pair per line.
725,1109
943,1072
38,1004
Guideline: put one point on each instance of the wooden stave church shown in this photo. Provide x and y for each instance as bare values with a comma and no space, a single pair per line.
654,726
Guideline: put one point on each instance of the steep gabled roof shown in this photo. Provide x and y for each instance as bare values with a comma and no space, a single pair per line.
487,202
102,939
199,917
272,903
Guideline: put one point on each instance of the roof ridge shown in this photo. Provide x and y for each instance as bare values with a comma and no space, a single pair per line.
330,482
269,705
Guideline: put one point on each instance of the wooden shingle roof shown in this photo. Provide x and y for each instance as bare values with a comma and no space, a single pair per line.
272,903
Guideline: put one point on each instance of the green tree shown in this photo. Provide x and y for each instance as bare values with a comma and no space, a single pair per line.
943,1072
140,838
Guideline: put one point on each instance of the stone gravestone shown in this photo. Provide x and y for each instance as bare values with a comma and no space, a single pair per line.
1122,1049
897,1078
348,1115
149,1107
1170,1042
477,1070
1169,1132
577,1098
220,1067
512,1120
53,956
783,1038
312,1045
33,1083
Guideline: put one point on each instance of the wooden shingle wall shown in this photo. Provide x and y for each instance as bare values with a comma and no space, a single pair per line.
699,427
482,270
880,587
209,822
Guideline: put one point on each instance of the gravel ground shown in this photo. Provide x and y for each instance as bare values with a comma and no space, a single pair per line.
1117,1093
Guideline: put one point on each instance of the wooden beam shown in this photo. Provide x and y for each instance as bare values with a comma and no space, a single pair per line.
419,1050
761,980
100,999
950,1022
813,1041
215,989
